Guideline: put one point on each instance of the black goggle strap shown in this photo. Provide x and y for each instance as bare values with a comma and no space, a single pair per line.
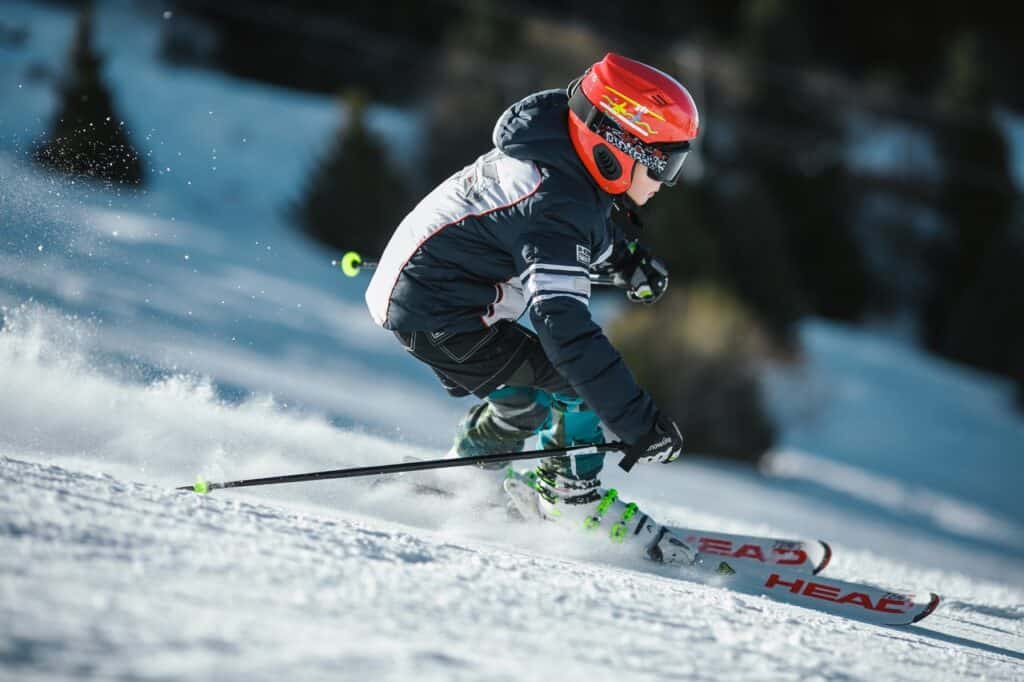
581,106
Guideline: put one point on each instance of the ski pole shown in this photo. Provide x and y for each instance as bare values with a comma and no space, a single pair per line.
352,264
201,486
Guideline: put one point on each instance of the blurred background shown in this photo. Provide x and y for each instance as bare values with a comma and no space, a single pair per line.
846,247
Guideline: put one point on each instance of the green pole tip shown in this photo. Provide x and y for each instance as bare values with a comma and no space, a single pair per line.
201,486
350,263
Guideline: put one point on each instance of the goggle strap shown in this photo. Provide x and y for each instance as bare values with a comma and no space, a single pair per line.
581,106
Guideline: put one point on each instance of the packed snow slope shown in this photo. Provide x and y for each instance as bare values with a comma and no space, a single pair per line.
114,579
148,337
105,569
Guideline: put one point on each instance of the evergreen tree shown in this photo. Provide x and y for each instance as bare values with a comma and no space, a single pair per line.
974,311
88,137
704,234
354,198
473,69
791,144
489,60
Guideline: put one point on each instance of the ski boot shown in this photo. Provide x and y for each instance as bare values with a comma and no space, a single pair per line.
481,432
543,494
501,423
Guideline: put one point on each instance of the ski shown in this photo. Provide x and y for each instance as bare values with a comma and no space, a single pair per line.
745,564
860,602
792,555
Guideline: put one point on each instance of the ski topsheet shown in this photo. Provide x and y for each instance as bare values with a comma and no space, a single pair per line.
792,555
852,600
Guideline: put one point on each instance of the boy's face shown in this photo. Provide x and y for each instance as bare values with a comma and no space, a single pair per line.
643,186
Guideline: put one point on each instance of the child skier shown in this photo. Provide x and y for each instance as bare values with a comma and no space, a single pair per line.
522,229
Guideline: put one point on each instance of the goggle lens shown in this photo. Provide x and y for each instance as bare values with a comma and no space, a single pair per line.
673,165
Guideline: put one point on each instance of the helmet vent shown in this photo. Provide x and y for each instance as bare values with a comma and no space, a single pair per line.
659,99
607,164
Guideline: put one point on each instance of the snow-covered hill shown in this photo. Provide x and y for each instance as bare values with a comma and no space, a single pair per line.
108,578
185,330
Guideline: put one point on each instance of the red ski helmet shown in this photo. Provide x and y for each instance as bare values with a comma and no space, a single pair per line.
622,111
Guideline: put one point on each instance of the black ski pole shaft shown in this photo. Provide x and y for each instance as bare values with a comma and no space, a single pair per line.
352,264
202,486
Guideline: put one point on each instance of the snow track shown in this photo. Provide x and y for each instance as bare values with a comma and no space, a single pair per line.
117,579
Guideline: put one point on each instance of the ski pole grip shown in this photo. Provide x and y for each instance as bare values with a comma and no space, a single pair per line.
629,459
633,453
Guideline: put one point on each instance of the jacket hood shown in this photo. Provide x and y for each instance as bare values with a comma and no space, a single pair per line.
536,129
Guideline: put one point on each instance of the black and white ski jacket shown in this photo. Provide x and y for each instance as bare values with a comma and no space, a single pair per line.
516,231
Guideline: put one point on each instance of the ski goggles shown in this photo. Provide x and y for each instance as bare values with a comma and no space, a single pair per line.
663,160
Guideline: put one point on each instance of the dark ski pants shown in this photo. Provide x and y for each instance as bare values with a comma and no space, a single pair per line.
506,366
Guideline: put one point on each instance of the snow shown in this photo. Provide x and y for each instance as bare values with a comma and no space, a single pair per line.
151,336
142,581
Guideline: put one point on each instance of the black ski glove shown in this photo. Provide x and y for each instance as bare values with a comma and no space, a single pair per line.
663,444
644,277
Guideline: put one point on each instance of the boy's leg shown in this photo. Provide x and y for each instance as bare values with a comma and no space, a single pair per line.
572,423
522,394
502,422
537,396
495,365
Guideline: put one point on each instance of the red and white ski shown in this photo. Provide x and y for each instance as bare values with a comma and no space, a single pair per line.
794,555
851,600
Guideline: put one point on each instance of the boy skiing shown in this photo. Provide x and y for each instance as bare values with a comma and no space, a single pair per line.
521,230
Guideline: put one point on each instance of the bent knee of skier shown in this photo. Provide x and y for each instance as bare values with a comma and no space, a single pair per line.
521,408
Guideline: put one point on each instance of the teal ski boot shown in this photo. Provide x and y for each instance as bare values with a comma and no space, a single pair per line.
480,433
